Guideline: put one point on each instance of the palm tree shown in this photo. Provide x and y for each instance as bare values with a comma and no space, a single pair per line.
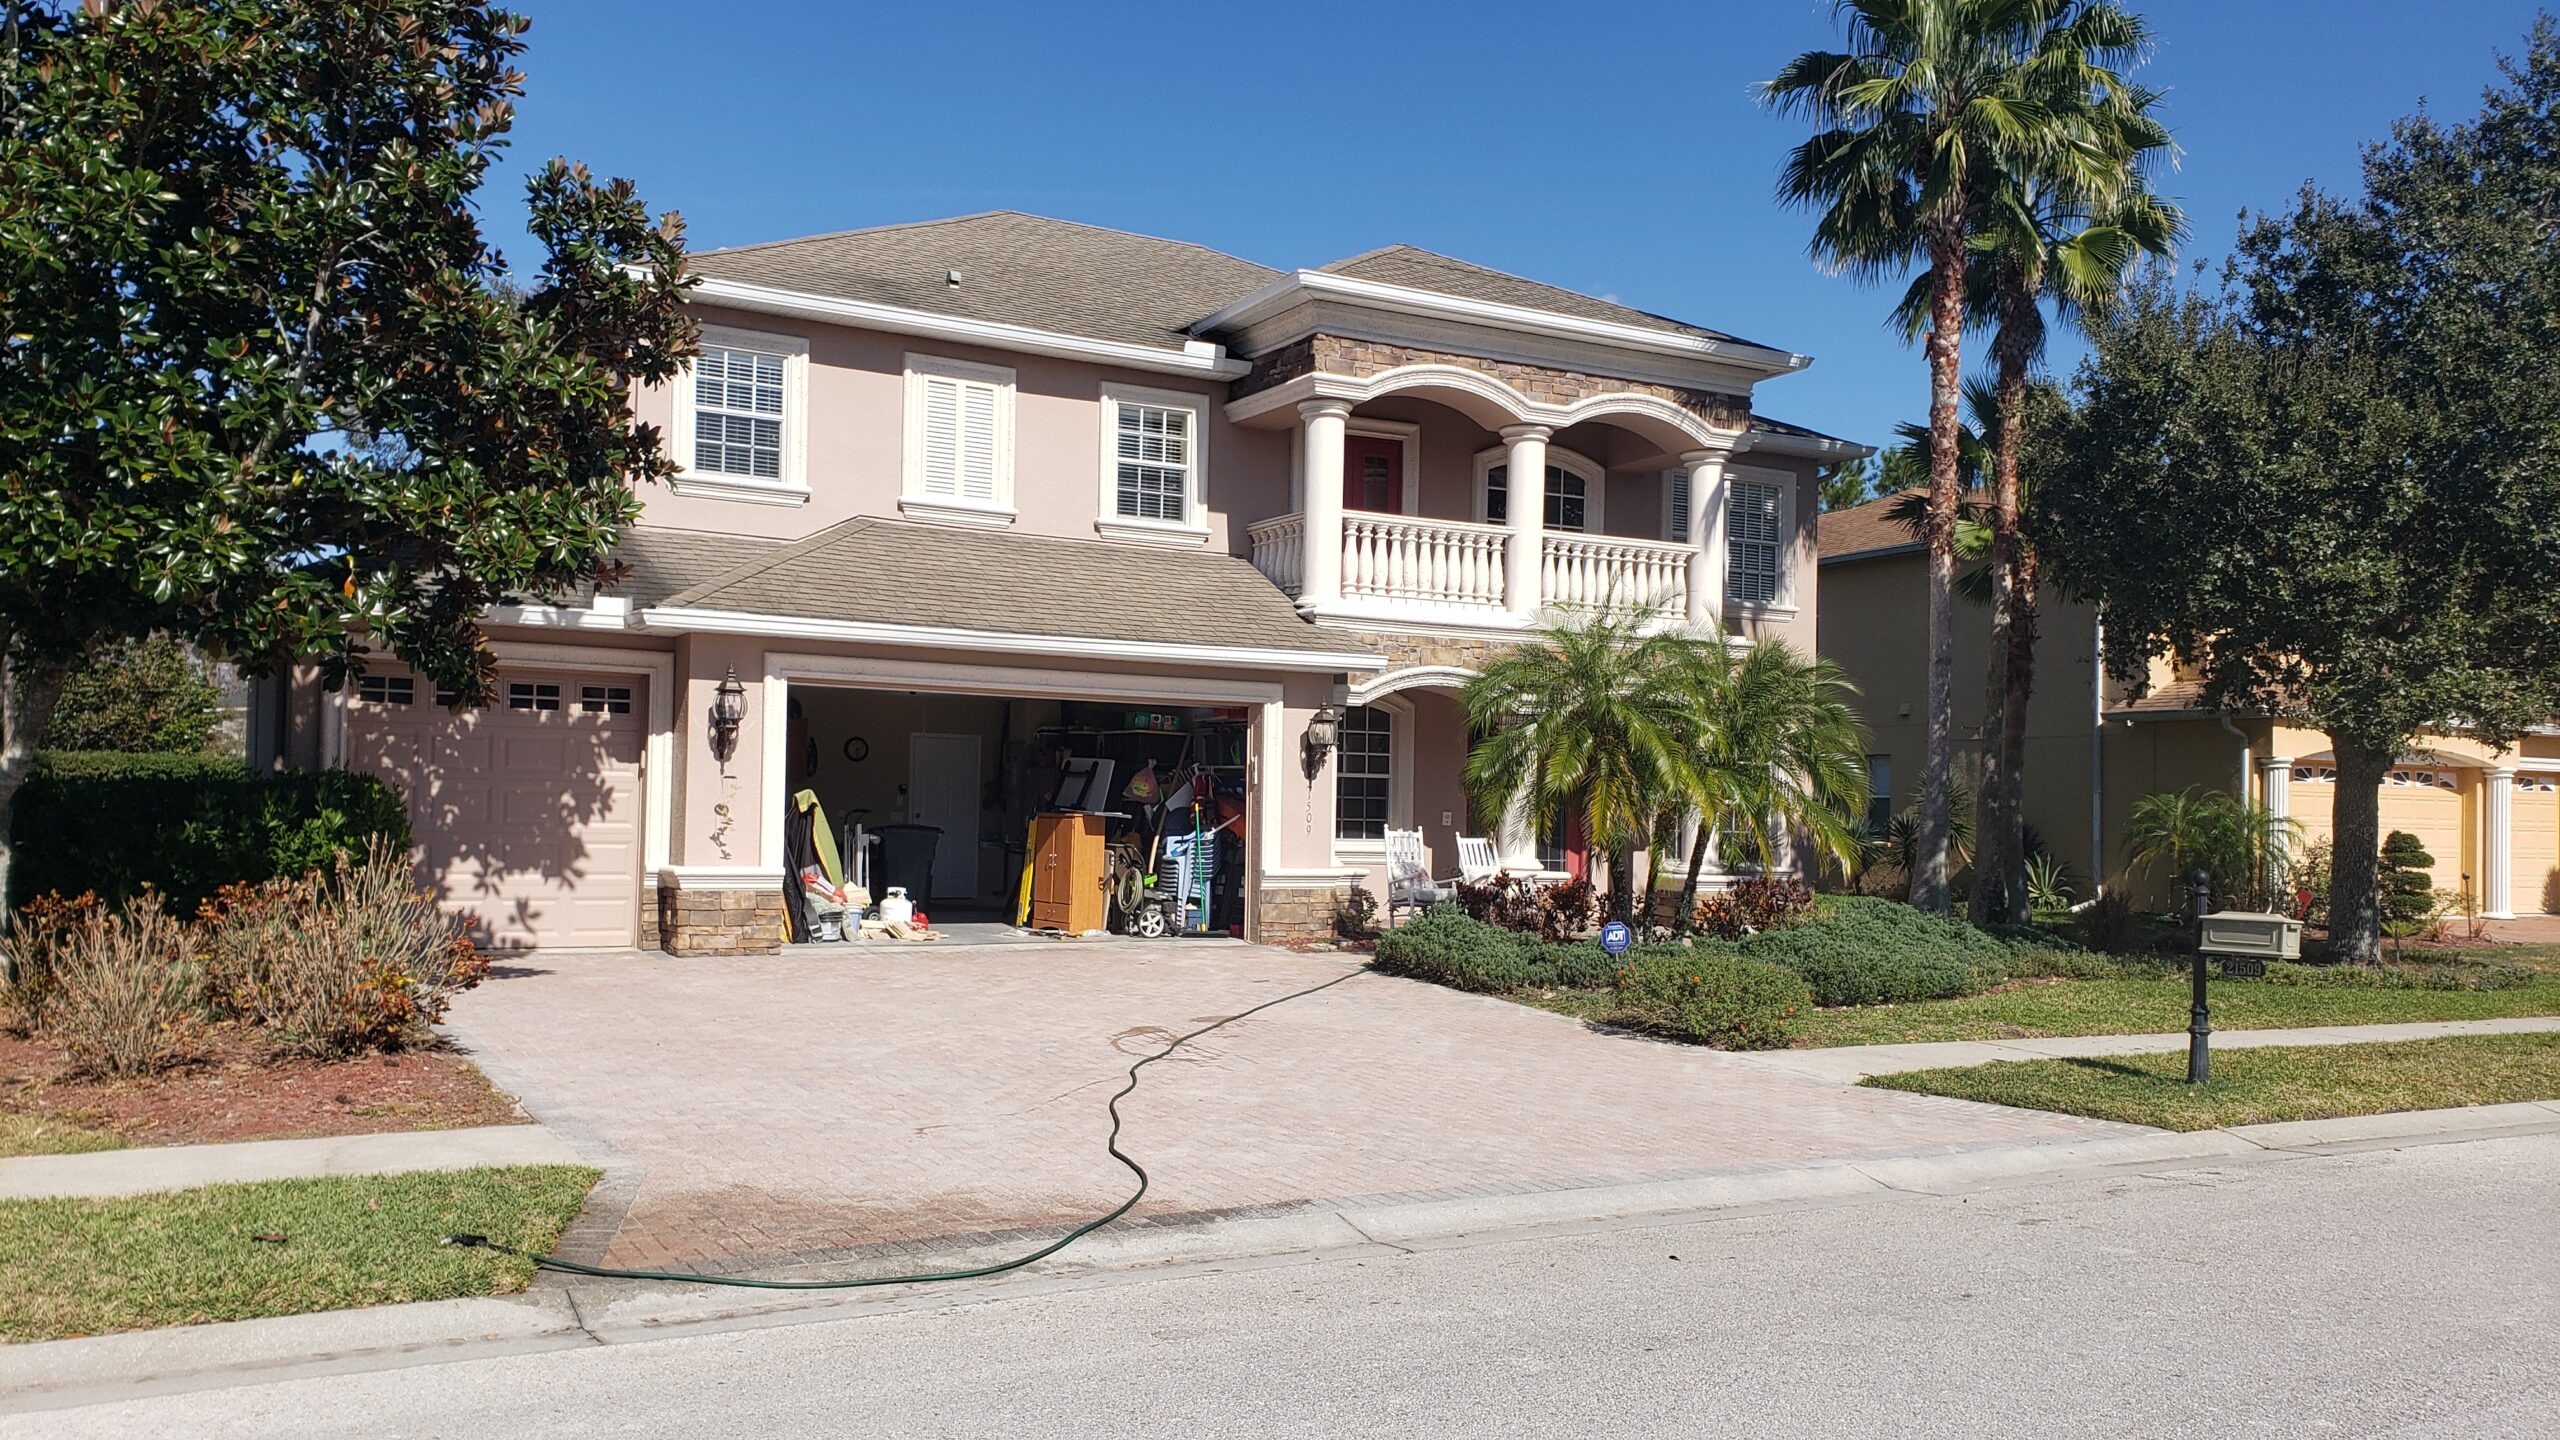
1588,712
1930,102
2077,239
1772,749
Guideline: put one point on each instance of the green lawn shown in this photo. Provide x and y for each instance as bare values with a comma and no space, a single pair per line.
2039,1008
2291,1082
284,1247
32,1135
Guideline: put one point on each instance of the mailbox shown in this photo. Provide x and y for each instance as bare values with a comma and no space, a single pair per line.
2250,935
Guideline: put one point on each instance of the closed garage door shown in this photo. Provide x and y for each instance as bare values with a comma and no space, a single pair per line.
2536,842
2428,804
527,813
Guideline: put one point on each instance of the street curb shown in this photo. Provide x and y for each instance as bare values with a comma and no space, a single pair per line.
59,1373
104,1173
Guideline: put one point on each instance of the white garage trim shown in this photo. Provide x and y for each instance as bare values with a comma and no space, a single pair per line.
864,672
657,766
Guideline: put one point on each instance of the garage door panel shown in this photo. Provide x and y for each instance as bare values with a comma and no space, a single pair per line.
527,820
2536,841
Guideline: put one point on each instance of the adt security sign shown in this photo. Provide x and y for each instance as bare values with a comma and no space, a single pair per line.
1615,937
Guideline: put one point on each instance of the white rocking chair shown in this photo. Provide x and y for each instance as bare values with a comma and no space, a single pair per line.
1477,859
1409,884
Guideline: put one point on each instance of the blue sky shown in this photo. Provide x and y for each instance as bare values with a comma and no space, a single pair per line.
1615,149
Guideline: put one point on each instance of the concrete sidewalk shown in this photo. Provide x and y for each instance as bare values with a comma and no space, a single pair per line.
1849,1064
184,1167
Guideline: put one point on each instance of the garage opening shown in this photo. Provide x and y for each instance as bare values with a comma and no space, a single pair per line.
1015,816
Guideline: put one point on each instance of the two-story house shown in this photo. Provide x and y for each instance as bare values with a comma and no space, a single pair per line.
964,498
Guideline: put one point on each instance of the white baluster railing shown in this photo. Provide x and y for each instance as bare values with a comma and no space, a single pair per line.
1279,550
1606,573
1429,562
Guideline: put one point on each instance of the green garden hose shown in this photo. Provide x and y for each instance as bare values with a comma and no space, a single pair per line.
1112,1144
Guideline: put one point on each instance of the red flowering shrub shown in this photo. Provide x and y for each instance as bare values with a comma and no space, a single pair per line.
1750,906
1517,902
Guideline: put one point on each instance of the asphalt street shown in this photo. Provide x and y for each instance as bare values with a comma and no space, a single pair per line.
2388,1292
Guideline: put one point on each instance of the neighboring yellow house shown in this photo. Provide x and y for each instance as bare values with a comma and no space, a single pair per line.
2491,819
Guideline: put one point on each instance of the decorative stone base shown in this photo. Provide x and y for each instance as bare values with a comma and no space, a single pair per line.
1297,911
649,915
1405,650
721,921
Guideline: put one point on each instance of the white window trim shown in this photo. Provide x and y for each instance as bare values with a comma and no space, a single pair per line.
1108,521
1399,786
1595,485
1783,606
1407,434
912,499
793,487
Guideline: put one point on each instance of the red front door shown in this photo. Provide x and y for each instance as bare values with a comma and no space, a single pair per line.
1373,474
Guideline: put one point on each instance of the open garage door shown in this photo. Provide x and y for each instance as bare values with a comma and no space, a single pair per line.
528,813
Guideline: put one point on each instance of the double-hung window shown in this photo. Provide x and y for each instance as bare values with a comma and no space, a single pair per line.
1363,773
959,450
1754,573
739,414
1152,453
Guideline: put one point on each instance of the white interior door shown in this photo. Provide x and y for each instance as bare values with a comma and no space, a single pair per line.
942,790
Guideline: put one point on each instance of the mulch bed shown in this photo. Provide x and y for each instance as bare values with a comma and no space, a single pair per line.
237,1089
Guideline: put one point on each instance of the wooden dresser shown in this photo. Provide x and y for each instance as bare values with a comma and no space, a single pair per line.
1067,874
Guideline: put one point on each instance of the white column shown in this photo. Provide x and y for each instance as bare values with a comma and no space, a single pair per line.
1320,424
2498,871
1518,842
1525,493
1706,534
2275,779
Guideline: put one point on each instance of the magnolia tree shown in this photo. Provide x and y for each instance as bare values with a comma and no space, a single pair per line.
265,387
2330,485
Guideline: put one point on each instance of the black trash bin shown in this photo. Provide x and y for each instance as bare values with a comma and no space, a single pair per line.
906,860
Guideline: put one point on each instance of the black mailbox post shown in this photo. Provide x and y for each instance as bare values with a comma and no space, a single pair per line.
2199,1019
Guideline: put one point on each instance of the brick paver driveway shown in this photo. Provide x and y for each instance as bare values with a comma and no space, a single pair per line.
807,1105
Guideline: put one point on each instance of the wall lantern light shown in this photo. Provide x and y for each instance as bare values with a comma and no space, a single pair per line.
728,711
1324,731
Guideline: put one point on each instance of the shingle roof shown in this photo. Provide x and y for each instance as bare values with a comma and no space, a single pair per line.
894,572
1419,269
664,561
2178,697
1862,530
1775,426
1014,269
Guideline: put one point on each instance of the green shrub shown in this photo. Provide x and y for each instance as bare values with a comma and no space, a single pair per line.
1579,965
1445,947
1863,951
1705,994
187,825
138,695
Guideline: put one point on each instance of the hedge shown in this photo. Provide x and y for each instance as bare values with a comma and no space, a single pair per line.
1704,993
1860,950
188,824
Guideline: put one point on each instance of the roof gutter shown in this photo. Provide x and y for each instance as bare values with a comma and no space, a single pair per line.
1813,447
1286,291
681,620
1197,358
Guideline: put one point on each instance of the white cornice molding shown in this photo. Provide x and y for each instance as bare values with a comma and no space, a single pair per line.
1197,358
683,620
1323,387
1302,285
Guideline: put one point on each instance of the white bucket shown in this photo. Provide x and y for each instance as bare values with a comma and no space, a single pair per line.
897,909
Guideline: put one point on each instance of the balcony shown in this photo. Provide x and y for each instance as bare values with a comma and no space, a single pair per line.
1401,566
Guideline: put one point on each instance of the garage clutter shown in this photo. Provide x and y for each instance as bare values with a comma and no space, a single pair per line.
822,904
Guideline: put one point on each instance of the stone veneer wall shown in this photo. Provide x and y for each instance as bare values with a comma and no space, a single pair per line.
1404,650
721,922
1286,913
1360,359
649,914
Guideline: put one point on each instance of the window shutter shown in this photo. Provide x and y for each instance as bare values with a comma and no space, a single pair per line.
1676,483
978,443
941,436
